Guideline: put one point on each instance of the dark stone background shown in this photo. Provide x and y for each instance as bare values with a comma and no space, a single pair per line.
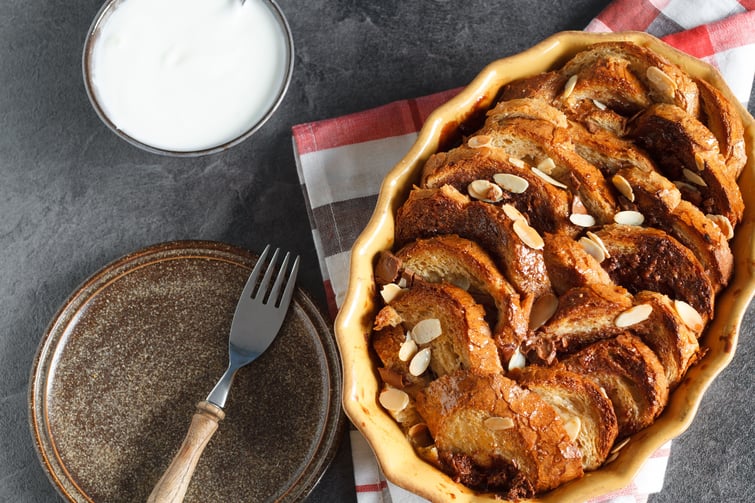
73,197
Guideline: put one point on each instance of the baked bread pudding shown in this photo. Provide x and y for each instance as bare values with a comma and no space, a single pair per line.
553,272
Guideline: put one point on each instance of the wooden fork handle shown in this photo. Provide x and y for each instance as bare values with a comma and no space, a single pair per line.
172,486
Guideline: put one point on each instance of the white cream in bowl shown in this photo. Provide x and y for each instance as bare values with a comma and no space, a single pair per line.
187,76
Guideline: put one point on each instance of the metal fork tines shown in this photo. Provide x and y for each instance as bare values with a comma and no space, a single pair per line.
259,316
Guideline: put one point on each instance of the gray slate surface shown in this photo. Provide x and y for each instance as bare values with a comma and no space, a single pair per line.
73,197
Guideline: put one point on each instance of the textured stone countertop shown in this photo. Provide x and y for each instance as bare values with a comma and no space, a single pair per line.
74,197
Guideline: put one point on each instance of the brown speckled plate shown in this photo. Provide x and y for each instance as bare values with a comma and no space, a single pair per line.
124,362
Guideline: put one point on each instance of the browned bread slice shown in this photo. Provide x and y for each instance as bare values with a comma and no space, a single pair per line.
671,331
432,212
569,265
608,152
540,143
627,76
702,236
386,341
645,258
526,108
684,149
648,191
493,435
582,405
462,262
584,315
464,341
631,375
723,120
547,206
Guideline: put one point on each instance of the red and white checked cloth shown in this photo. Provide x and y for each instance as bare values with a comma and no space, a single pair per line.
342,161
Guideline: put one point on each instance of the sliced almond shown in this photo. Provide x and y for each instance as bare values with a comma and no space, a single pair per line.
426,331
517,361
582,219
694,177
689,316
420,362
572,426
513,213
547,166
389,291
594,237
528,235
577,206
542,310
394,399
592,248
511,183
408,349
599,104
620,445
622,185
569,86
633,315
496,423
723,223
629,217
661,82
699,161
481,140
545,176
517,162
485,190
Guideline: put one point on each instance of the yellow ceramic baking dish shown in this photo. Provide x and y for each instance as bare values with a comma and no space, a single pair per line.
396,456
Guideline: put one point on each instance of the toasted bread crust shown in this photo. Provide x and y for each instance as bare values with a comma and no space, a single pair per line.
721,118
533,455
631,375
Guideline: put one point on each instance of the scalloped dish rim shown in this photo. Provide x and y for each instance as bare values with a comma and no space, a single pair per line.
398,460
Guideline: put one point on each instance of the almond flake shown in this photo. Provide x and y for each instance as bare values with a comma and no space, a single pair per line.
547,166
629,217
577,206
569,87
545,176
689,316
622,185
694,177
517,162
481,140
572,426
496,423
513,213
592,248
723,223
426,331
582,220
408,348
699,161
390,291
420,362
633,315
394,399
662,83
594,237
528,235
517,361
620,445
485,191
542,310
599,104
511,183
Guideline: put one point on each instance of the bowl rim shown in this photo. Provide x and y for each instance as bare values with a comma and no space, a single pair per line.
106,10
399,462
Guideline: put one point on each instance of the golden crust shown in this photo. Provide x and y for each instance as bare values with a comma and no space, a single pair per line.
569,265
723,120
534,454
631,375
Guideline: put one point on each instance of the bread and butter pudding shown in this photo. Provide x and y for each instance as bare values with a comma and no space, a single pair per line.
552,275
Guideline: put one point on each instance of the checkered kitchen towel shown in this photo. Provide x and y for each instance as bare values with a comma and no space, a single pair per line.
342,161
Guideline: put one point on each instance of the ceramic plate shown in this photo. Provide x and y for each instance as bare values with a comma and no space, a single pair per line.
122,365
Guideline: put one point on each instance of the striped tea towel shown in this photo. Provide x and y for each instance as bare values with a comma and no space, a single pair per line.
342,161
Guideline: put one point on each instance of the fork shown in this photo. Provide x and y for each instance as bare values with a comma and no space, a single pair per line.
258,318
